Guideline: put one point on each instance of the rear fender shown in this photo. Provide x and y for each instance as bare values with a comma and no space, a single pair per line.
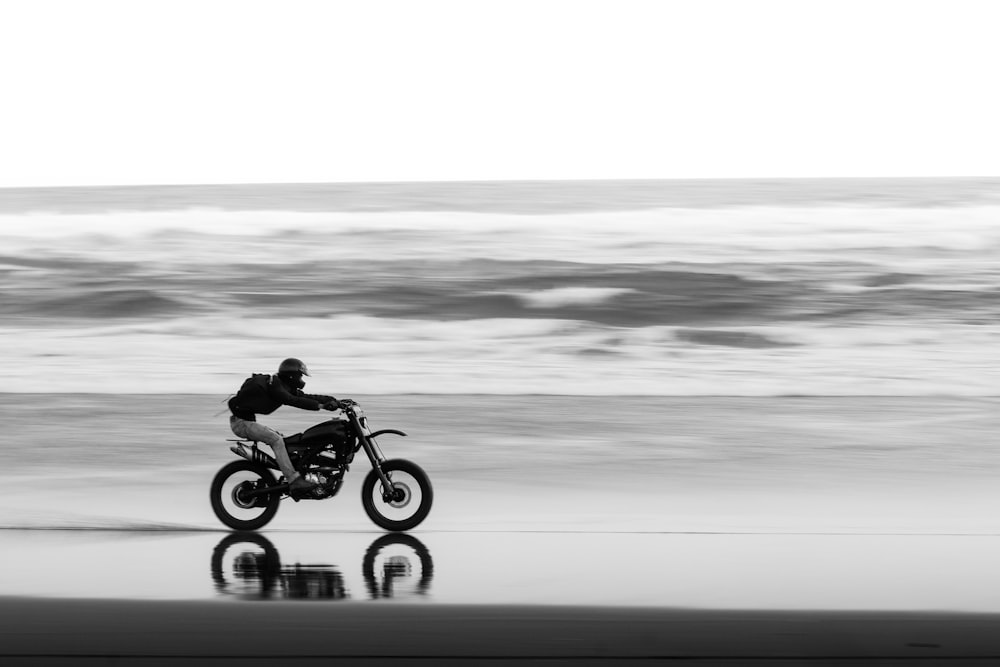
384,431
254,455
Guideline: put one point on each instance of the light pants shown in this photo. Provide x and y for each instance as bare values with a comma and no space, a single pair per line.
257,431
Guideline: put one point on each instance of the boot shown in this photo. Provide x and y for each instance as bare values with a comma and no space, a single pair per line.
300,486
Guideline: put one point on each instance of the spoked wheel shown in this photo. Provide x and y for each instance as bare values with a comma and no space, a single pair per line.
408,502
230,501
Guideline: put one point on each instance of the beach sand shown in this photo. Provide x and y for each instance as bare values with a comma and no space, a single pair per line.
715,531
554,462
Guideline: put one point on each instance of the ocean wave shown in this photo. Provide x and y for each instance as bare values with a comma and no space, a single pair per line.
895,238
95,304
571,296
728,338
622,296
612,295
754,300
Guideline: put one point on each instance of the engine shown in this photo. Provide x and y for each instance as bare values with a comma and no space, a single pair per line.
326,485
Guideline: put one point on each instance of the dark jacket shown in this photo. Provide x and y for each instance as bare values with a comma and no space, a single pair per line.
262,395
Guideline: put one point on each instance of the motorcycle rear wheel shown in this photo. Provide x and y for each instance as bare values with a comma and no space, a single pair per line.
412,496
231,507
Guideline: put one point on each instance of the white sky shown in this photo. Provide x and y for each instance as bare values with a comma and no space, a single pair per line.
241,91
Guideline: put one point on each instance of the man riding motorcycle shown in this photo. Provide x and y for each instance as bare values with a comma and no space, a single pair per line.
262,394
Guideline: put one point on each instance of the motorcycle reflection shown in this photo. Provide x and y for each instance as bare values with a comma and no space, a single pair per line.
247,565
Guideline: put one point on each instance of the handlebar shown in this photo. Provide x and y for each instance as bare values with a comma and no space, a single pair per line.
341,404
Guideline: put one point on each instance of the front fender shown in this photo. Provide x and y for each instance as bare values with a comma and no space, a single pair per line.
384,431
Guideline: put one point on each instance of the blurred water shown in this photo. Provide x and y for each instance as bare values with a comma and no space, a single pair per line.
844,287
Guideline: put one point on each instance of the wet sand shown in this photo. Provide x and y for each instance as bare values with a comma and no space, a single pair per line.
566,530
804,572
92,597
89,632
805,464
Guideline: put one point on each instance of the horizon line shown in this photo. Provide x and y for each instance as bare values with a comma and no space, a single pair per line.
519,181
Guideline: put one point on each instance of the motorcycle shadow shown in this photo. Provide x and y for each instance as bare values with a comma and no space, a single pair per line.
248,566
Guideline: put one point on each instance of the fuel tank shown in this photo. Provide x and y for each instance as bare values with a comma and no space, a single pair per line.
327,433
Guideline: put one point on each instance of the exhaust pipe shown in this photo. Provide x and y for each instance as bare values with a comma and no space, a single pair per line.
267,490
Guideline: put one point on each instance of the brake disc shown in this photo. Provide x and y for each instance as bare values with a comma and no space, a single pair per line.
400,489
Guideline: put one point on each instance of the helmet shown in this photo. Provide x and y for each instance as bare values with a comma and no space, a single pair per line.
291,371
292,365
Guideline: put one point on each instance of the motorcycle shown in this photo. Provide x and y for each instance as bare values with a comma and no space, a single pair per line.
396,493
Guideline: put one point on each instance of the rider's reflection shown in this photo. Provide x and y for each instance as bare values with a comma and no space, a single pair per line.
248,565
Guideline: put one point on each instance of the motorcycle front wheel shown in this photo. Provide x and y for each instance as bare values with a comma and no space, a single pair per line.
230,502
410,499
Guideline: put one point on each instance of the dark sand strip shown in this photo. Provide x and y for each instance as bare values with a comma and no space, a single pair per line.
84,632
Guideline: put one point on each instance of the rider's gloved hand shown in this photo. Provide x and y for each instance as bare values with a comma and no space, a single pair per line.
332,405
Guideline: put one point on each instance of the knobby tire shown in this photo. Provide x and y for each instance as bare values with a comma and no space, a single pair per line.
372,504
215,495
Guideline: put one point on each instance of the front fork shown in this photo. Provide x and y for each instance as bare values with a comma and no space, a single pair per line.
374,454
